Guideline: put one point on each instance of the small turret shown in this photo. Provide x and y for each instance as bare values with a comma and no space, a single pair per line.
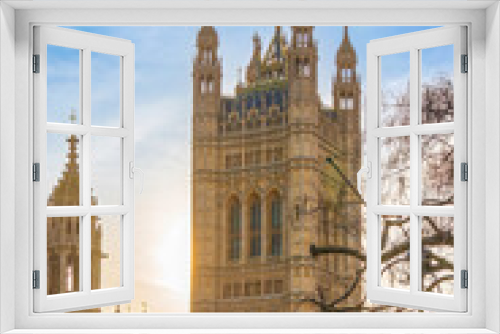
346,102
346,60
303,64
274,63
346,88
254,68
206,67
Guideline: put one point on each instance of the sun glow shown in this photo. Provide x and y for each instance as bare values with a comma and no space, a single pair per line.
173,257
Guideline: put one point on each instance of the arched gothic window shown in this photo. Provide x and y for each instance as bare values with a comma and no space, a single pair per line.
203,85
277,97
346,75
269,98
207,57
234,239
70,274
257,100
255,227
298,67
54,277
349,104
307,69
299,40
249,102
302,39
69,278
346,103
276,225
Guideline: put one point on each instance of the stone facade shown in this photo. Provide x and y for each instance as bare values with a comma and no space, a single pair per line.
262,191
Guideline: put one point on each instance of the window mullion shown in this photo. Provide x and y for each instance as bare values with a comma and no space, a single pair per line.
67,211
414,172
86,250
76,129
85,189
85,179
69,129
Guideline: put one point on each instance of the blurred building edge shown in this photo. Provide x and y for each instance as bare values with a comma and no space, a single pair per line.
118,308
144,307
261,190
63,233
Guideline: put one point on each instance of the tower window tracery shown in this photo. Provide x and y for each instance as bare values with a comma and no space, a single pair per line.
249,102
269,99
277,97
228,106
239,106
207,57
301,40
255,227
276,226
203,86
307,69
257,101
69,278
346,75
346,103
234,239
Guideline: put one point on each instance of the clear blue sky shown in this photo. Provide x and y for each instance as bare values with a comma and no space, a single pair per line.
163,129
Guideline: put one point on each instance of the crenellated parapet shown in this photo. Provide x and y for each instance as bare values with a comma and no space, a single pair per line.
255,109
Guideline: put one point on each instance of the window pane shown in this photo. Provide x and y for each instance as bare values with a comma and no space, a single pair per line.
437,84
395,85
255,228
275,230
106,170
276,245
437,169
395,170
395,252
106,252
437,254
106,89
63,169
63,255
235,230
63,84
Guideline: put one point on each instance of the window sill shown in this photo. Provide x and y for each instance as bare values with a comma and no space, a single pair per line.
248,331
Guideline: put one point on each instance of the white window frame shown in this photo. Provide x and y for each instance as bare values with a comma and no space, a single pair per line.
86,43
413,44
483,102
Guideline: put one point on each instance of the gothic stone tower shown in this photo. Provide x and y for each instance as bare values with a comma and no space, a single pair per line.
63,233
260,195
347,155
206,230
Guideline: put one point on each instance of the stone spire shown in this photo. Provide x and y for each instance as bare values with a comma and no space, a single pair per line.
257,46
274,63
66,191
346,55
253,72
